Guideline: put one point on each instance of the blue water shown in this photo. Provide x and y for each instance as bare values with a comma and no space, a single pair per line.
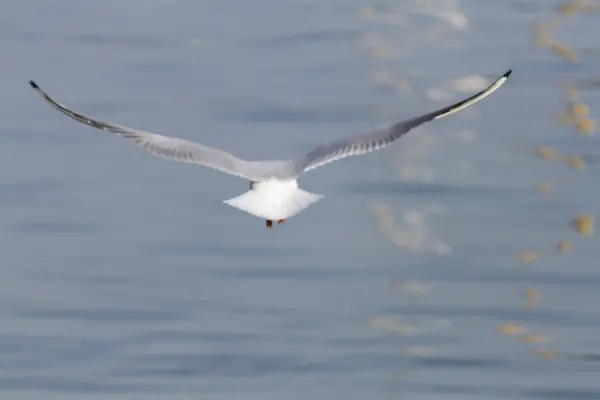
125,276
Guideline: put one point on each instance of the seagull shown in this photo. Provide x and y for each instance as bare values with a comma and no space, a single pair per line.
274,194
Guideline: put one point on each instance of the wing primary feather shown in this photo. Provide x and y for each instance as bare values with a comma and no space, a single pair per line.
180,149
376,140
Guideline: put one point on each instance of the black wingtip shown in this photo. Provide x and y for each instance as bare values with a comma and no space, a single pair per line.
507,73
33,85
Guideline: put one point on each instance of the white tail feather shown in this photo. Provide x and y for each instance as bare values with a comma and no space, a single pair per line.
268,203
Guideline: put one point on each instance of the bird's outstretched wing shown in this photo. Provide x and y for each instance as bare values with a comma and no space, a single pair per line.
372,141
179,149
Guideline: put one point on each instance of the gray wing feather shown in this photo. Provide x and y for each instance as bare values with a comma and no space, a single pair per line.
182,150
372,141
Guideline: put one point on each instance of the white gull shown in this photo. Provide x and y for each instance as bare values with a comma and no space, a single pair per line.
274,193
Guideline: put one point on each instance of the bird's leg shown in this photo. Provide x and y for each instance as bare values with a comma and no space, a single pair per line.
281,221
269,223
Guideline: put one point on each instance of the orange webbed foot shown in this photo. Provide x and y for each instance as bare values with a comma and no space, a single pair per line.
281,221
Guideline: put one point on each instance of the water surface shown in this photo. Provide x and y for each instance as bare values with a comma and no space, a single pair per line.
124,276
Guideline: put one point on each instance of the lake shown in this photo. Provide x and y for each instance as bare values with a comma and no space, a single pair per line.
444,267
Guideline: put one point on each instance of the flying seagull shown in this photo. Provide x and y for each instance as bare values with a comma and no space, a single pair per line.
274,193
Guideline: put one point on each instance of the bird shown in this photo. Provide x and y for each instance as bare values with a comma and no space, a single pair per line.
274,193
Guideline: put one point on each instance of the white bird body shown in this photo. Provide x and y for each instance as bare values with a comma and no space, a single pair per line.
274,200
274,193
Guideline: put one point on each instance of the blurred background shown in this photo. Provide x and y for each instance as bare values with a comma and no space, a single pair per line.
460,263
